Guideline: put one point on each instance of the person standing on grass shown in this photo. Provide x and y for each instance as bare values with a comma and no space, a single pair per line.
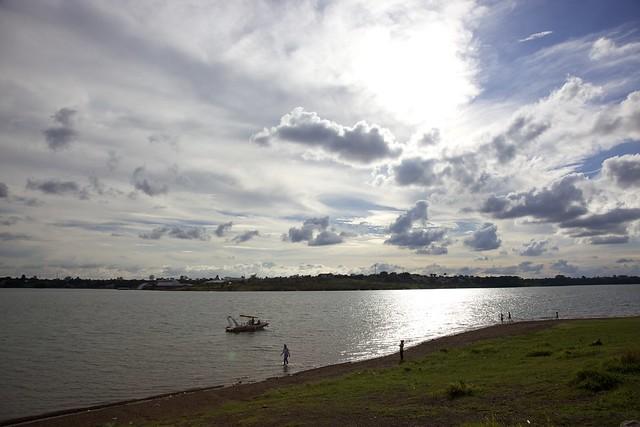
285,355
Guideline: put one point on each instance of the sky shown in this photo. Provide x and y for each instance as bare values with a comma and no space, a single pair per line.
276,138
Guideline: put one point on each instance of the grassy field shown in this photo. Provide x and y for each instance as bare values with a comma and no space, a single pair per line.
576,373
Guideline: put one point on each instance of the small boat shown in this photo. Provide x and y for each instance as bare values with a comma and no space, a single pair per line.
251,325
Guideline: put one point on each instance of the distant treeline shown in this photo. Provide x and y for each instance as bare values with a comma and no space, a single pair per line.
321,282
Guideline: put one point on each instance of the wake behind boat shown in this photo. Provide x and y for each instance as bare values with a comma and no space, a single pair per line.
251,325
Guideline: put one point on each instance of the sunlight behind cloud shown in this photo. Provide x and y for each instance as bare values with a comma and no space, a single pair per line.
411,62
416,73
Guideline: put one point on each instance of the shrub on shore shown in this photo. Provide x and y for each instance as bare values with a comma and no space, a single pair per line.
595,380
628,363
539,353
458,389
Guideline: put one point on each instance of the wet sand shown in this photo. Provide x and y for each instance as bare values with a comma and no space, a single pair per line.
182,404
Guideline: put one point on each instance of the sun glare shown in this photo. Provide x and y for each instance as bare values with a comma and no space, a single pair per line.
419,76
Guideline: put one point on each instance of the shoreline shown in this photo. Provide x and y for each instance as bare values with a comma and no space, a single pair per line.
332,289
178,403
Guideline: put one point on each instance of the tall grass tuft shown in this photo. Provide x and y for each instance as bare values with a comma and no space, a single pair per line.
594,380
458,389
539,353
628,363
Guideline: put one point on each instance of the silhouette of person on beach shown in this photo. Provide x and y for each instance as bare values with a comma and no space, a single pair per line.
401,350
501,318
285,354
509,316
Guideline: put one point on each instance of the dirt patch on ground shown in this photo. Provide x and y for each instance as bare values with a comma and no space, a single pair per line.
177,405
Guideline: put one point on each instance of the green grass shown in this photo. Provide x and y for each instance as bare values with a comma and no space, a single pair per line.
553,377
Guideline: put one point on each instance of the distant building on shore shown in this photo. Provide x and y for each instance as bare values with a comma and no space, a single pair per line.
224,280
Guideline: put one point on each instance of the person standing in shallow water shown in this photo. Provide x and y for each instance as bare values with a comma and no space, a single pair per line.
285,355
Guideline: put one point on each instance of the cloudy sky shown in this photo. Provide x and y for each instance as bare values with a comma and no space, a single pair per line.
279,138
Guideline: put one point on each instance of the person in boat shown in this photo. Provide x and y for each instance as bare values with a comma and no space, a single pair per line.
285,355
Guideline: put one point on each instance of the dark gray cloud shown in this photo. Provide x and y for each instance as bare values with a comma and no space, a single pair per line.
606,220
433,250
423,240
248,235
362,143
102,227
418,239
4,190
9,220
64,116
223,228
504,150
534,248
521,132
405,221
96,186
613,222
327,237
609,240
177,232
54,186
6,236
415,170
467,168
530,267
625,260
28,201
623,170
431,137
562,201
62,134
564,266
484,239
144,183
307,233
300,234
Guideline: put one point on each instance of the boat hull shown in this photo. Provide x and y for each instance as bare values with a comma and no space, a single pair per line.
246,328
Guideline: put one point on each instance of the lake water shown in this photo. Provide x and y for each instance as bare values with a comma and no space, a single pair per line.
63,349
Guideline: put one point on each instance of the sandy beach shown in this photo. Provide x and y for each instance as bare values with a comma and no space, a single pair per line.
182,404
